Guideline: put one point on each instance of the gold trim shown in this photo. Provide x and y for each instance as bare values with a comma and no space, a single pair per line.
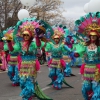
93,33
56,37
92,27
26,32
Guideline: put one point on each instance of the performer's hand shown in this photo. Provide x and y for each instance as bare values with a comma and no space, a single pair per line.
39,32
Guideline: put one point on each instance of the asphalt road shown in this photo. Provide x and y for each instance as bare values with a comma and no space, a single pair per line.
8,92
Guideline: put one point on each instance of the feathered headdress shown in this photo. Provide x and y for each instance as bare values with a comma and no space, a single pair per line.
59,31
33,26
88,24
29,26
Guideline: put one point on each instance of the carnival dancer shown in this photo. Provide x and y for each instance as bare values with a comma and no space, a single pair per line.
28,29
68,57
12,57
57,64
89,26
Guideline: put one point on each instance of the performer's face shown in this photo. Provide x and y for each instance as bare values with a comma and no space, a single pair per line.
93,37
56,40
26,36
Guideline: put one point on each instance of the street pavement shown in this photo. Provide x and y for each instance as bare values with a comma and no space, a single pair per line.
8,92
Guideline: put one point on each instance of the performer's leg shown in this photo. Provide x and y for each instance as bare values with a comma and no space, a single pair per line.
52,74
67,71
96,91
11,72
22,81
27,88
16,76
86,88
59,81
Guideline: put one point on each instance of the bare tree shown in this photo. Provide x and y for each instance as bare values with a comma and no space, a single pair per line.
70,24
48,10
8,13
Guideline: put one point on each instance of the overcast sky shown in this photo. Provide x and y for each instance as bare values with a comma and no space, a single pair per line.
74,8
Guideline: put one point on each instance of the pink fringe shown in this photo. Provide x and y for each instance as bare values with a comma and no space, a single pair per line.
82,68
98,66
50,62
37,65
19,62
63,64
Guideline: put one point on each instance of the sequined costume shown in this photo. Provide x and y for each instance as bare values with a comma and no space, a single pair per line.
57,64
28,70
29,65
89,26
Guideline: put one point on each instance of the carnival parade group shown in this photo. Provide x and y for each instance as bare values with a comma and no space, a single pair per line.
31,42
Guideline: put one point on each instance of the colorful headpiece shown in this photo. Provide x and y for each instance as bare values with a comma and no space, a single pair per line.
33,26
88,24
58,32
28,26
